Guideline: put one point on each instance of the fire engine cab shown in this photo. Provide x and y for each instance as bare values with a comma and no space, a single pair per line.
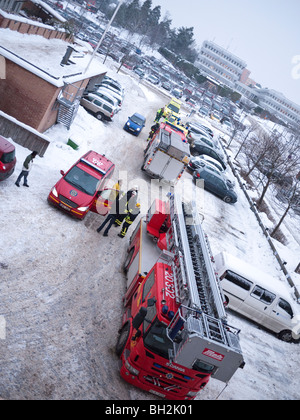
174,333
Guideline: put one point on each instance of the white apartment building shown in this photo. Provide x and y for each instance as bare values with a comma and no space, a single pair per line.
277,104
220,63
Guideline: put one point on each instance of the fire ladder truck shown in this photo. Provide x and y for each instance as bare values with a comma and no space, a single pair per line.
174,333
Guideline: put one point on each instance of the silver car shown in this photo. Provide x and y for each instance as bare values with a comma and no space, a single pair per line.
99,107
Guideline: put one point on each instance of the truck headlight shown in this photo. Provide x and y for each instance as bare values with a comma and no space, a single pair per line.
82,208
131,368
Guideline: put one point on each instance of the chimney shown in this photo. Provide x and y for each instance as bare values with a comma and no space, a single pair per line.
66,57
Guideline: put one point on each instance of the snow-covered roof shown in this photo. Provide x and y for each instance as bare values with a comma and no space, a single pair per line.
21,19
42,57
49,9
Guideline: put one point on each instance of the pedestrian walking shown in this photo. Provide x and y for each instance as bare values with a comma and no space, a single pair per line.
129,219
26,169
126,205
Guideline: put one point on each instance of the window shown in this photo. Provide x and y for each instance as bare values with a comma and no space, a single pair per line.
283,304
238,280
263,295
202,367
148,285
8,157
82,180
157,340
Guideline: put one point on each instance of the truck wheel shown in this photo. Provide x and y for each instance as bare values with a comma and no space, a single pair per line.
122,339
286,335
99,116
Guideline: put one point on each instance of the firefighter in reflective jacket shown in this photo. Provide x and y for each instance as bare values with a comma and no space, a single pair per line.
126,205
129,219
159,114
153,130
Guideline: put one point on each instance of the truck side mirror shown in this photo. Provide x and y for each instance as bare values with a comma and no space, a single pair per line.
139,318
62,172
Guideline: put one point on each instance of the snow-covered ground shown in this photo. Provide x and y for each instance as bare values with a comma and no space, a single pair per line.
62,283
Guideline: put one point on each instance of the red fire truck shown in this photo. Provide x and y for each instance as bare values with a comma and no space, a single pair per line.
174,333
167,153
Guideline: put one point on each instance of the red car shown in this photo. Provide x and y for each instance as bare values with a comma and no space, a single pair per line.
81,188
7,158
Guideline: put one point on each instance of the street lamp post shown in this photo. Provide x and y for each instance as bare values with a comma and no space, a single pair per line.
104,33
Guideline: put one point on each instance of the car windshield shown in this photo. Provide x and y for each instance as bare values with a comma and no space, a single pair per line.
137,120
173,108
82,180
8,157
156,339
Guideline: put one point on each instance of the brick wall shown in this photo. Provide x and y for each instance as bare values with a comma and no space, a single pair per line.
28,98
31,28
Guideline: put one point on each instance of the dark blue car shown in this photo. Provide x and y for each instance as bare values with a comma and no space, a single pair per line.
135,123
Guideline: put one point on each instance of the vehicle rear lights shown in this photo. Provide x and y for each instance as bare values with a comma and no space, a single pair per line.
149,161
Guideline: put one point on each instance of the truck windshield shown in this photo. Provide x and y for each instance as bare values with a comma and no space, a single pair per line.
156,339
82,180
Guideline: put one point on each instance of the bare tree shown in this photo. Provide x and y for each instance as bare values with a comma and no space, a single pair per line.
293,199
281,161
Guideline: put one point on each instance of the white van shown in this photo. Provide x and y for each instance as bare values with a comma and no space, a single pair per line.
259,297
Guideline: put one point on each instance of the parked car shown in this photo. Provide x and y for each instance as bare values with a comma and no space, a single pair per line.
107,97
153,79
203,149
140,72
166,85
113,85
112,93
215,115
200,162
199,129
194,139
205,159
177,93
135,124
79,189
99,107
204,111
216,183
7,158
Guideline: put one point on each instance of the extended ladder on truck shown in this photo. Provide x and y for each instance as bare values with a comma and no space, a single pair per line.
199,329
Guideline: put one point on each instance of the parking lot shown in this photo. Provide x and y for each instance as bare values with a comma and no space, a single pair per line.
62,283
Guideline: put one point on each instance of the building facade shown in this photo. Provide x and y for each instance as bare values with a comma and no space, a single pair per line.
277,104
220,63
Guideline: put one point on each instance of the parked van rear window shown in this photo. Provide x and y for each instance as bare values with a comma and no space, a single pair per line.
238,280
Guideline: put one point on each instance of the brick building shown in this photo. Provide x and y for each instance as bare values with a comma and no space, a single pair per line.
38,90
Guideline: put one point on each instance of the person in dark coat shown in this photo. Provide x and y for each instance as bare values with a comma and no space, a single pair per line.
129,219
113,214
26,169
126,205
153,130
